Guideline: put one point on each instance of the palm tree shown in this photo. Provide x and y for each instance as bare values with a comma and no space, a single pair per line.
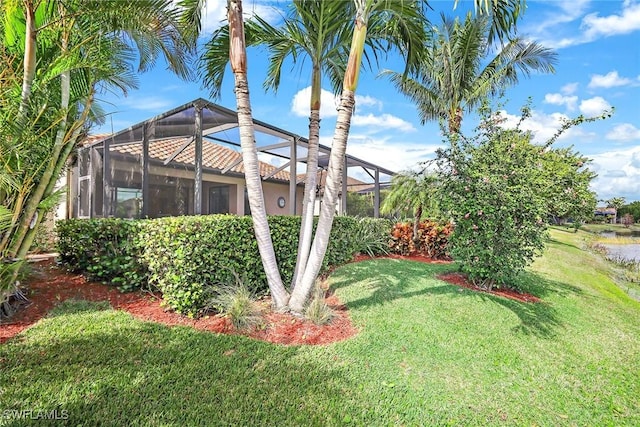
452,79
413,192
238,60
503,14
313,29
70,50
399,18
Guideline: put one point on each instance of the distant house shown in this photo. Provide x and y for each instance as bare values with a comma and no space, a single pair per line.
610,213
187,162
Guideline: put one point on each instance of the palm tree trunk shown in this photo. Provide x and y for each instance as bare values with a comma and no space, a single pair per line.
19,246
308,204
29,58
238,59
336,161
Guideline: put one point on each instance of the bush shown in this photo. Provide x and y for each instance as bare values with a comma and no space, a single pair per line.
107,250
187,258
432,239
492,191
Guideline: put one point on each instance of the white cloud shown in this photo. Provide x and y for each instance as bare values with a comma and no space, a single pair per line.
559,99
382,122
214,13
367,101
396,156
569,88
618,174
550,31
626,22
624,132
544,126
594,106
301,100
608,80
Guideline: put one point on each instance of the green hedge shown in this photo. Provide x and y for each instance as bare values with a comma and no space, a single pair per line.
187,257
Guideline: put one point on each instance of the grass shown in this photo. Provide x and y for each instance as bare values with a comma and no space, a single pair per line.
428,354
620,229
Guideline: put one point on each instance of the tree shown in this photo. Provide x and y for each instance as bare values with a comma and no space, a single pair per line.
66,53
632,208
238,60
498,187
313,29
451,79
568,194
615,203
365,10
413,193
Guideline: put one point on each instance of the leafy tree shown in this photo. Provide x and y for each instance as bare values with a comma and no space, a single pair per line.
632,208
491,187
452,79
567,193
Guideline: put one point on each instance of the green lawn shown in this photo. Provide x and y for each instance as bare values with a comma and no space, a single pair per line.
428,354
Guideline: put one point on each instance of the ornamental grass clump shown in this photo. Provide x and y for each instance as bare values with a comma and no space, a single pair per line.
236,302
318,311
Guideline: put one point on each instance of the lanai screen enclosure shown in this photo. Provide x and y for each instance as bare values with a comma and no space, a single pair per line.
187,162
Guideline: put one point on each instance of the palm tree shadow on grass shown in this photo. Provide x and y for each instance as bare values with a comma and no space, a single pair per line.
540,319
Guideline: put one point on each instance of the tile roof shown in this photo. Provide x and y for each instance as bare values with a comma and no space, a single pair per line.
214,156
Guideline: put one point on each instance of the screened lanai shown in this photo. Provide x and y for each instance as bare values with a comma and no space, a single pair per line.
187,161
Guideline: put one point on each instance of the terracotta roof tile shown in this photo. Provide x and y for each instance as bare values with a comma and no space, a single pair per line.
214,156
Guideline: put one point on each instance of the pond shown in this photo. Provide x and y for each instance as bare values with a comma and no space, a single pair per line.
629,252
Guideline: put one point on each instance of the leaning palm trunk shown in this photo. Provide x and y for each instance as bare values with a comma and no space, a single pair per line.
303,289
309,201
238,59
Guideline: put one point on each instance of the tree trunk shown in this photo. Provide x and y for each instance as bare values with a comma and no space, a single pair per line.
29,58
336,161
329,201
237,54
308,204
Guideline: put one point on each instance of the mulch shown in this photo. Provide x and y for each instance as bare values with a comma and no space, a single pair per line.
49,284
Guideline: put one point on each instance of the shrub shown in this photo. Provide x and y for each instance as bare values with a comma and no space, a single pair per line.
107,250
432,239
187,258
317,309
371,236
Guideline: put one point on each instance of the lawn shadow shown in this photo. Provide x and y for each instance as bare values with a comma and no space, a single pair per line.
121,371
540,319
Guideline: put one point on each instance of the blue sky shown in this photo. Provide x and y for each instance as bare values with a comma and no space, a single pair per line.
598,47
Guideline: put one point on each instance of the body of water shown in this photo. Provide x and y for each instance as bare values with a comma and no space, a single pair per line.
629,252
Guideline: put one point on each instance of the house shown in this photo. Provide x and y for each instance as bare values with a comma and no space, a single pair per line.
187,161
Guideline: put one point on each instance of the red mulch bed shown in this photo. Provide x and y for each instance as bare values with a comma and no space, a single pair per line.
48,285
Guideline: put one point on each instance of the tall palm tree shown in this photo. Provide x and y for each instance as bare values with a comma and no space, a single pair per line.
238,60
396,15
69,50
452,78
314,30
501,12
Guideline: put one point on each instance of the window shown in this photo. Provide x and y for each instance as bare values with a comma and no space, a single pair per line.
128,202
219,199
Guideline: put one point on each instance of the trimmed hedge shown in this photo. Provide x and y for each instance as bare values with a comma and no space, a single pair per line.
186,258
